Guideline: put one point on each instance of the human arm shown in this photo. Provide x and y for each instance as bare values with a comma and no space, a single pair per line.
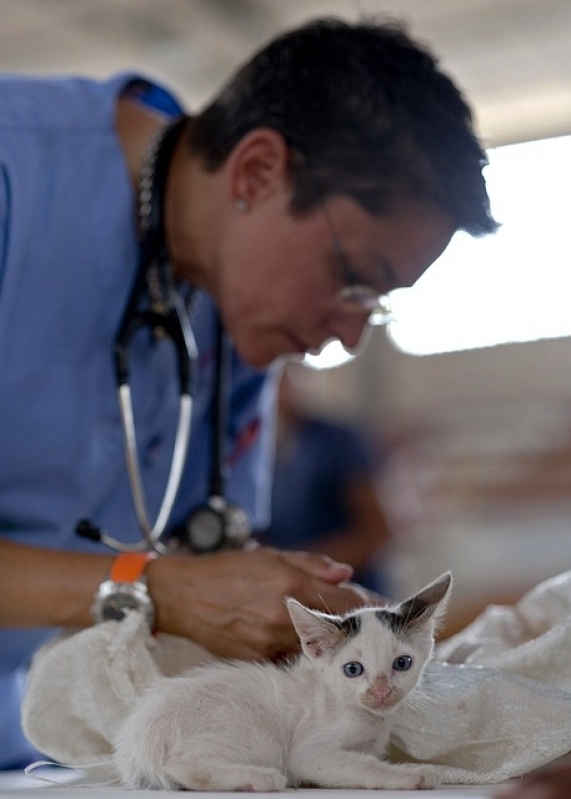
46,587
231,602
551,782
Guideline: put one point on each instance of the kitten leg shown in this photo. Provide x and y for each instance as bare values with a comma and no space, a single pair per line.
200,772
346,769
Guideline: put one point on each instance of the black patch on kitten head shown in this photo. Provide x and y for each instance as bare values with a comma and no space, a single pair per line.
407,615
394,621
349,626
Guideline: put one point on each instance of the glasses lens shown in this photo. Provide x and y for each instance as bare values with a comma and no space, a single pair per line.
362,299
381,316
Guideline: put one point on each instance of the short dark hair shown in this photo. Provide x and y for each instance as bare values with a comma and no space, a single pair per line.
365,111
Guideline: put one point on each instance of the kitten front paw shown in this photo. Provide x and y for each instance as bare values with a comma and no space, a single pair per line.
425,777
261,780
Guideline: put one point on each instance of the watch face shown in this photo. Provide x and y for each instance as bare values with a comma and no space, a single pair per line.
116,606
114,600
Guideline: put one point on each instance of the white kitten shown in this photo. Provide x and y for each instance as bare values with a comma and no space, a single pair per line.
322,720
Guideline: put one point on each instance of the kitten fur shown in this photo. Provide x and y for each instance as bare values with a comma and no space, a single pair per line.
318,720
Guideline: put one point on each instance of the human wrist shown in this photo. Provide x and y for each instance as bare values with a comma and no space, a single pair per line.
125,589
168,581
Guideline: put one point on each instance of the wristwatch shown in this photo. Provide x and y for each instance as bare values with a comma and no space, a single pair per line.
126,589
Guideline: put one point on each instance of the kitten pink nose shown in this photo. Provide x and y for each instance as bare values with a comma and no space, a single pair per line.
381,689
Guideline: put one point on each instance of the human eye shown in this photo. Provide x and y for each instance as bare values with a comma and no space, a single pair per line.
355,289
402,663
350,277
353,669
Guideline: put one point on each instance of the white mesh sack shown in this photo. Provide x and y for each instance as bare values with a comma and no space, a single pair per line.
498,693
81,686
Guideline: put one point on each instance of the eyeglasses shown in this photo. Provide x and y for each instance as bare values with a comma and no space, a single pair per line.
355,296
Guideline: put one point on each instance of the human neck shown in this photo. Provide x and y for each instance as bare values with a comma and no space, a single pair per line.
136,125
194,209
190,203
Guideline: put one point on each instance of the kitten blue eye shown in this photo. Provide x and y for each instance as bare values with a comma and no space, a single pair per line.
353,669
402,663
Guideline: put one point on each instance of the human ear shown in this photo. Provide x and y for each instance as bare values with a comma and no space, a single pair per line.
257,167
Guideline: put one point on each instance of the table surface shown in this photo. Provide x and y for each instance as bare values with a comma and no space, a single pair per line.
72,785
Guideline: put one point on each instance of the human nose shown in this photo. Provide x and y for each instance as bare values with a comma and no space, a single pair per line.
352,329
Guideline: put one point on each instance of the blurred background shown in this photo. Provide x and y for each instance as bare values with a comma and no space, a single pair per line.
467,394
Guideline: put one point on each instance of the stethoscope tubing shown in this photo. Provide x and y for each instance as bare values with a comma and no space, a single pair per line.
152,532
166,316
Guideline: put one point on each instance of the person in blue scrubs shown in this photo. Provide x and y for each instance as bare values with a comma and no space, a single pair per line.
334,167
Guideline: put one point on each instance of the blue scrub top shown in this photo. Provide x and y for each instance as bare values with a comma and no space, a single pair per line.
68,256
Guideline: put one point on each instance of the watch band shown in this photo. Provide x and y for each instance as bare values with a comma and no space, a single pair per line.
128,567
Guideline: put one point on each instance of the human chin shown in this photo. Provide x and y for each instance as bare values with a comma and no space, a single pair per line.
257,352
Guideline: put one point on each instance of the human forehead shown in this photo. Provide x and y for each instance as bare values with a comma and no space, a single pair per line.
392,249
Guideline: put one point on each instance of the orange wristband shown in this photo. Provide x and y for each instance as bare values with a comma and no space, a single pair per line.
129,566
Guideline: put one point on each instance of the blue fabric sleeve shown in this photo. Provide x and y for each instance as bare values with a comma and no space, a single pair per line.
154,96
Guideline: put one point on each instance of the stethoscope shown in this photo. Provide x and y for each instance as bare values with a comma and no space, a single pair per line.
156,304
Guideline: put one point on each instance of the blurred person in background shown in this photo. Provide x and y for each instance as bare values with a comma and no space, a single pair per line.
325,496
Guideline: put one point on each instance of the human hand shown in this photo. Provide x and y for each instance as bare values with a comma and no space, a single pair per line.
232,603
551,782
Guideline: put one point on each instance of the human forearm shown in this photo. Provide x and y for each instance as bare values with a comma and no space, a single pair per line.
232,603
48,588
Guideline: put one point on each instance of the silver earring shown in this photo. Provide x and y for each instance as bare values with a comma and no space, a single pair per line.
242,205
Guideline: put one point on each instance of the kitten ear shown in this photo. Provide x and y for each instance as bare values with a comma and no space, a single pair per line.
318,633
430,603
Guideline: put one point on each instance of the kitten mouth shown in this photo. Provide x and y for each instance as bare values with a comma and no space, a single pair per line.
378,705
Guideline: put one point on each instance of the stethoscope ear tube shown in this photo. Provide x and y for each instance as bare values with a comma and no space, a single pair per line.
153,532
172,324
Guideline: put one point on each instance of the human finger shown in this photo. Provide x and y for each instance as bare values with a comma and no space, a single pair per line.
321,567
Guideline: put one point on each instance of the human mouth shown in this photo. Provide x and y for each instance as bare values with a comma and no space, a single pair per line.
298,345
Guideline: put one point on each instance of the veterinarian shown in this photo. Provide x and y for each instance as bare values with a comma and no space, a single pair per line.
154,267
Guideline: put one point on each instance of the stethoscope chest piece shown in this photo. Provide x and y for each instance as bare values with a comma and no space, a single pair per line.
217,525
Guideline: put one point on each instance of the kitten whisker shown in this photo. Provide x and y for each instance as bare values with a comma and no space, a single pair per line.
325,605
418,700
